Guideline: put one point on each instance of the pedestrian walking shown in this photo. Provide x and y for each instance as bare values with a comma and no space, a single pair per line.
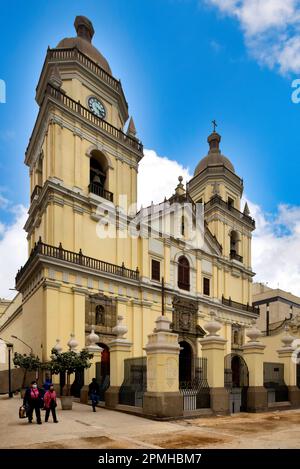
32,402
50,404
94,391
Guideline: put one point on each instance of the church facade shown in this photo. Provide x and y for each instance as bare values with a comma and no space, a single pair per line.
84,270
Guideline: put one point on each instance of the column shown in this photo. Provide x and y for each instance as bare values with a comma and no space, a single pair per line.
120,349
253,353
213,349
163,398
288,356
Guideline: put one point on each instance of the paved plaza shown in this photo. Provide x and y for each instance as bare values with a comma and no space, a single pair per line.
105,429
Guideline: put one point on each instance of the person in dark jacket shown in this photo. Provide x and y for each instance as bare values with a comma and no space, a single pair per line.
47,383
50,404
94,391
32,402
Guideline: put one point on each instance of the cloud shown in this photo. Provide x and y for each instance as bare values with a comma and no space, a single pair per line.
13,249
275,247
158,177
271,30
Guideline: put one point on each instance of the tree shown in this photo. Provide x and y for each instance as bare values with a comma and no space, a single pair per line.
68,362
27,362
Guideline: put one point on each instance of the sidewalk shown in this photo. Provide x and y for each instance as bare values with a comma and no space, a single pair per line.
81,428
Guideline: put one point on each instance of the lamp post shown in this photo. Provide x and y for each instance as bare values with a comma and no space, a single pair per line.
15,337
9,348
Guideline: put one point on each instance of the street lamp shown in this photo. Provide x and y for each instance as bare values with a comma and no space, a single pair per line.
15,337
9,348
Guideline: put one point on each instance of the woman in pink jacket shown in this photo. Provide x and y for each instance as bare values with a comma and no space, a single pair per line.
50,403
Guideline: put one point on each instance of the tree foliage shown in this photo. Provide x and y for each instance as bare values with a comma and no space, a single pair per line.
27,363
68,362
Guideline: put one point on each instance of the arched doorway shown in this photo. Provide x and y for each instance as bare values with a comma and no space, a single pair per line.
237,380
185,362
103,370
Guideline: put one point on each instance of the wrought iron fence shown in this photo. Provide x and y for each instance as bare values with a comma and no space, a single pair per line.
196,393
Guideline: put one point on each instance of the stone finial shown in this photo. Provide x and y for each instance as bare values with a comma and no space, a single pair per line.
287,339
246,210
131,130
92,341
180,187
93,338
84,28
213,326
72,344
120,329
58,346
55,78
253,332
214,142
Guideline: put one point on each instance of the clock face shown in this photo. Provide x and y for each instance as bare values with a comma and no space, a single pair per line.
97,107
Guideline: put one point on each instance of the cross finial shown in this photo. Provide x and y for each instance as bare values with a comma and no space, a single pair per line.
214,124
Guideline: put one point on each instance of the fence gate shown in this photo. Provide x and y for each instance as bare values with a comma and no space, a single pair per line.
236,380
274,382
196,393
135,382
102,379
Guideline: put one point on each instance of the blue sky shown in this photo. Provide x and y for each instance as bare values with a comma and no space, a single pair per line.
182,63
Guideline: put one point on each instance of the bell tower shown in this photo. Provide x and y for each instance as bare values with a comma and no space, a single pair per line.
79,156
219,188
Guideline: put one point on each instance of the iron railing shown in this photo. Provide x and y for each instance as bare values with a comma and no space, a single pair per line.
235,255
65,54
217,200
98,190
75,106
236,304
46,250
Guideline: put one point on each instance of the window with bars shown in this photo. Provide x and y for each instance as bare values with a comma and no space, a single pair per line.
155,270
183,273
206,286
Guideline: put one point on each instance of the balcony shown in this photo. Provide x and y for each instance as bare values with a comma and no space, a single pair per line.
98,190
87,115
217,200
234,255
75,258
241,306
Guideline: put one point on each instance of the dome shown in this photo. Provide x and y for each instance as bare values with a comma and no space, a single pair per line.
214,157
83,42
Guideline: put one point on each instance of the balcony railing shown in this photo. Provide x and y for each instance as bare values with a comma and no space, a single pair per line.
217,200
36,192
89,116
235,255
74,54
46,250
98,190
237,305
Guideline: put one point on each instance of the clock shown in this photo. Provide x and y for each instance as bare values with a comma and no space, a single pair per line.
96,107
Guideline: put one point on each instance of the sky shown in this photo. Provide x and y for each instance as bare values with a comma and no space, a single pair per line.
182,64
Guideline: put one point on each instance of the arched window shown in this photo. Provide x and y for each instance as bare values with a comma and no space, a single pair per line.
182,225
100,315
183,273
97,172
99,175
234,239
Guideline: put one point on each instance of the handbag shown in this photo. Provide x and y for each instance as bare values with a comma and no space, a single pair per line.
22,412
